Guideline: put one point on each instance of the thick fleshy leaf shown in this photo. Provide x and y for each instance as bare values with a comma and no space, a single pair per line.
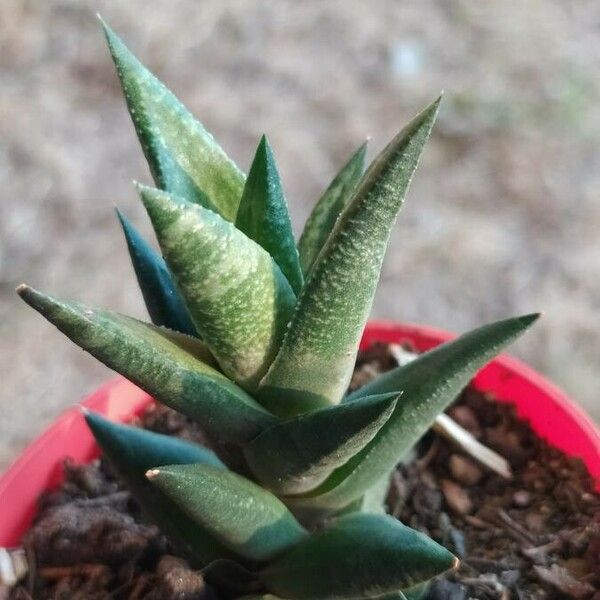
237,296
243,516
317,355
166,364
184,158
263,214
358,556
296,455
165,305
329,207
429,384
132,451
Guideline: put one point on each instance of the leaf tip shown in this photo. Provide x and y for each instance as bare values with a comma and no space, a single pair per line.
530,319
152,474
22,289
32,297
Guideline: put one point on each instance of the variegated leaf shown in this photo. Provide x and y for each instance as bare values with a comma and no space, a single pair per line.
132,451
296,455
183,157
329,207
316,358
166,364
246,518
429,384
358,556
237,296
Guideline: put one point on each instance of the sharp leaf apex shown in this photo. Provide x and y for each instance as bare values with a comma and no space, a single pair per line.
152,474
531,318
22,289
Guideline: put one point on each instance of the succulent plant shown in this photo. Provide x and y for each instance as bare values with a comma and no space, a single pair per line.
255,337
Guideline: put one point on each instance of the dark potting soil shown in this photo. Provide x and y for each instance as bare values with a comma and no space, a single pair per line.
534,536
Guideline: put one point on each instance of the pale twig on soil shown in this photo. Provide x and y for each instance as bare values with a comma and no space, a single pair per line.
452,431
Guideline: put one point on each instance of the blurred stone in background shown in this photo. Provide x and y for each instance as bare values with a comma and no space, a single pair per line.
503,217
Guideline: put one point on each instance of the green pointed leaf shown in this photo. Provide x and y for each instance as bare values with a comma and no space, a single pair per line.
429,384
166,364
165,305
297,455
263,214
132,451
243,516
329,207
184,158
237,296
358,556
317,356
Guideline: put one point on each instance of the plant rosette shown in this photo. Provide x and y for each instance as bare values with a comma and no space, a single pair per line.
553,415
255,337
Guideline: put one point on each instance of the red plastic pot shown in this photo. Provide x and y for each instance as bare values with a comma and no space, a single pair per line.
552,414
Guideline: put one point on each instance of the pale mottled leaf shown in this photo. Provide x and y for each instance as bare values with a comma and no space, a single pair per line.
297,455
246,518
237,296
165,305
329,207
132,451
429,384
263,214
358,556
166,364
316,359
183,157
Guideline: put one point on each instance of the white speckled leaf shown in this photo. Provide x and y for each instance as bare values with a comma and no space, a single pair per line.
263,214
166,364
429,384
183,157
297,455
134,450
357,556
246,518
322,219
316,359
237,296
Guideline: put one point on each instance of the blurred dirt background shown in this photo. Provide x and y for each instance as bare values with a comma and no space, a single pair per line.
503,217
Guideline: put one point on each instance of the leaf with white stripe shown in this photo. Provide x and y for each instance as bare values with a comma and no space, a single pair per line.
329,207
316,359
237,296
183,157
